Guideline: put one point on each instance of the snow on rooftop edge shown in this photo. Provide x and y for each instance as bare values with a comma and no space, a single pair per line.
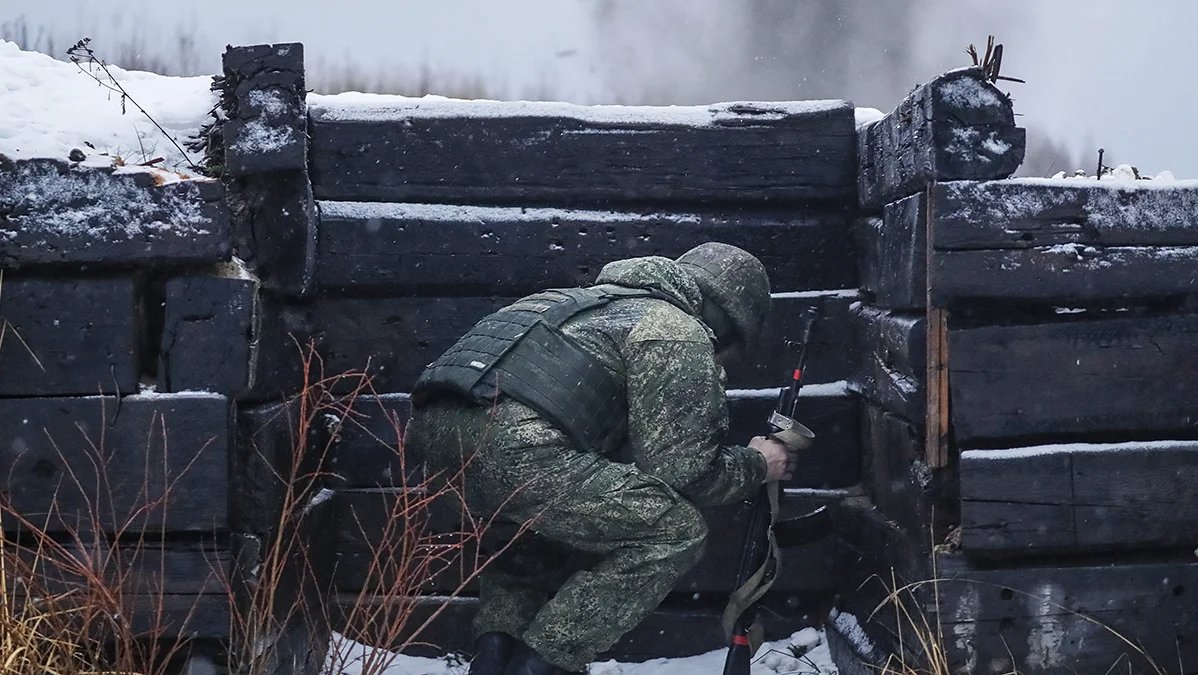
360,107
49,107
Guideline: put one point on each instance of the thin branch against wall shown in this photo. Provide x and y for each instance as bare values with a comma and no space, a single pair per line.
82,54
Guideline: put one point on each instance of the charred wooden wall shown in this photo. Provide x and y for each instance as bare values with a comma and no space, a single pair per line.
1027,421
1001,382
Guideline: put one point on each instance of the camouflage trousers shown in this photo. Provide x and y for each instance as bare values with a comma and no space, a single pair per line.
638,533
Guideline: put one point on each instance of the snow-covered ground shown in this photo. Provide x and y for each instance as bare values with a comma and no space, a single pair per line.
50,107
347,658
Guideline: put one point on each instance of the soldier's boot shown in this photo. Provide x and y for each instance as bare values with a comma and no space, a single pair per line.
492,651
526,661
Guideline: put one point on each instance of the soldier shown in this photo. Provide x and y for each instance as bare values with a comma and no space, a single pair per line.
595,415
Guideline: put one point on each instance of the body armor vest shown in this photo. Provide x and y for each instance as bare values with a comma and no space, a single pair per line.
521,352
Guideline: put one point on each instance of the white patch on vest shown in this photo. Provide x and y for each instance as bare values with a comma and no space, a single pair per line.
478,364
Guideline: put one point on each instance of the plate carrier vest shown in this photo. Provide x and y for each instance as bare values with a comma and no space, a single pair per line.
521,352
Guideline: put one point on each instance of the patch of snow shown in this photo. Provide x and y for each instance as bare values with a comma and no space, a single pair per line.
865,116
969,92
72,205
837,293
850,629
1071,448
153,394
258,135
359,107
348,658
376,211
1108,182
838,388
49,107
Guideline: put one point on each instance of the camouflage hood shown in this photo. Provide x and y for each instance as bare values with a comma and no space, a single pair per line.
657,273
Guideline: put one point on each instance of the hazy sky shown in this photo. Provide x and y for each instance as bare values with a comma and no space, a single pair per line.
1108,73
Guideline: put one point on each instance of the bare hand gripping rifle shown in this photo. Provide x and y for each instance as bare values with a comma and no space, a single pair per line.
759,560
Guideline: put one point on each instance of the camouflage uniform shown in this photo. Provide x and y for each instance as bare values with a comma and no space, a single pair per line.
636,513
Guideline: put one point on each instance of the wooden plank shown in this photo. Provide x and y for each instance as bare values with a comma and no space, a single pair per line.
894,361
370,524
208,337
958,126
55,213
486,152
152,463
264,128
68,336
393,339
265,142
893,254
442,249
1030,240
915,497
149,568
1037,213
1069,274
1080,498
1143,362
1070,618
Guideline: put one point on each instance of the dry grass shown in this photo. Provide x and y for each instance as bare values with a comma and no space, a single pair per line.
87,593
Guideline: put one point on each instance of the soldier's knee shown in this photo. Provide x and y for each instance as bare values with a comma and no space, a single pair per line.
687,529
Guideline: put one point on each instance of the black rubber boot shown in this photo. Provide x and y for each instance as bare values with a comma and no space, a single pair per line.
526,661
492,651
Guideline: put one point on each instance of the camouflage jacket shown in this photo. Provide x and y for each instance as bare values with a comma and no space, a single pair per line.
677,415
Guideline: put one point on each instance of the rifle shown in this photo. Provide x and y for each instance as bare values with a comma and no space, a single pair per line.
758,565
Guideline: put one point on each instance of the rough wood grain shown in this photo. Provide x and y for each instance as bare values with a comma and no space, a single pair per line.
476,152
155,463
55,213
893,255
1080,497
893,366
1122,377
1070,618
438,249
208,337
265,141
958,126
68,336
1035,213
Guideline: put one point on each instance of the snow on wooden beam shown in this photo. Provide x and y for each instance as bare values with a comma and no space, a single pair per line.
958,126
53,212
1128,375
1048,241
438,249
390,148
1080,497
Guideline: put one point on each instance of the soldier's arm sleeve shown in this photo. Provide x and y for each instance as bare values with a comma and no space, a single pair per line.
677,416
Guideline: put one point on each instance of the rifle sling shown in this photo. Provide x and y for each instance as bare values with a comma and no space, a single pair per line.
758,584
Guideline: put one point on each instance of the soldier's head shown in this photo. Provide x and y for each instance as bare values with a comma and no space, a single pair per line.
736,291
